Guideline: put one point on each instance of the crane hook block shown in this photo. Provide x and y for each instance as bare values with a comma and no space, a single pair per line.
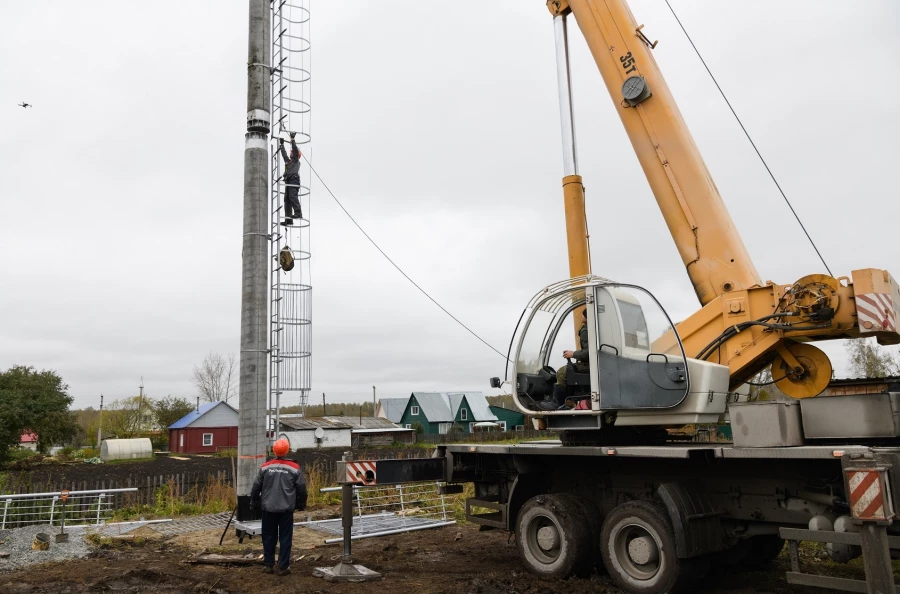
636,90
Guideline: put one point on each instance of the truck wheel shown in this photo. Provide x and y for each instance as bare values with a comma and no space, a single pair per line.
638,547
553,538
589,512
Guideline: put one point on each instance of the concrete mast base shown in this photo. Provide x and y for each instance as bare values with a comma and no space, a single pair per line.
346,571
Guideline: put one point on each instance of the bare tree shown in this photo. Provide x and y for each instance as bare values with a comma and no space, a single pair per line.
215,377
868,359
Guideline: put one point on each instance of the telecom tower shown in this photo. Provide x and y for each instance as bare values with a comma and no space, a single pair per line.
291,290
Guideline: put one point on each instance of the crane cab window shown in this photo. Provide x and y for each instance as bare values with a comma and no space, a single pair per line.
630,323
634,325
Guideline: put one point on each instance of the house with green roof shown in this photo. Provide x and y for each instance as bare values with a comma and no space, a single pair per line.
508,419
437,412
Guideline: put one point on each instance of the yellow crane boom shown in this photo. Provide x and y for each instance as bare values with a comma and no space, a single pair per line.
743,323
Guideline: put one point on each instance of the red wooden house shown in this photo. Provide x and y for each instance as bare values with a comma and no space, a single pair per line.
212,427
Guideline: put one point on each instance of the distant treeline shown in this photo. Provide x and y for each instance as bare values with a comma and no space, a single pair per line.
333,409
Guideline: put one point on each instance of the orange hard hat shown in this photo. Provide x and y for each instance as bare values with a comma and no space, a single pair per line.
281,447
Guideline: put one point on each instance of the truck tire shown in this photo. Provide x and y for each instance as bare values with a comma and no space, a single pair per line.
638,547
590,513
553,538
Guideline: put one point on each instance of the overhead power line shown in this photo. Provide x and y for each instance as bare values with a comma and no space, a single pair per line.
394,264
753,144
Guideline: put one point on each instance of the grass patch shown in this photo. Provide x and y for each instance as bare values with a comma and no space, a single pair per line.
457,502
212,497
130,461
319,476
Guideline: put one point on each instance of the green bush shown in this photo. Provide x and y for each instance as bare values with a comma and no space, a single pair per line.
22,458
419,427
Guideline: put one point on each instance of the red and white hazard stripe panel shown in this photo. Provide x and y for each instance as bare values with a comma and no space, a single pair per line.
875,311
867,495
361,471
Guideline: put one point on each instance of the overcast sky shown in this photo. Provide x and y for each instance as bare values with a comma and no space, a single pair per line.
438,127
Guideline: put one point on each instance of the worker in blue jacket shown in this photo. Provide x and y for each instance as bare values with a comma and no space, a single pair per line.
279,489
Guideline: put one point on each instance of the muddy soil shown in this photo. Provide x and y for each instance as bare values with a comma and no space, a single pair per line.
454,560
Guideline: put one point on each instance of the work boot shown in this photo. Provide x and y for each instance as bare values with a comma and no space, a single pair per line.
269,569
284,571
559,394
547,404
288,222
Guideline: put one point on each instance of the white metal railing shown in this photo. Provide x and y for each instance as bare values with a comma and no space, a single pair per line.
391,509
78,508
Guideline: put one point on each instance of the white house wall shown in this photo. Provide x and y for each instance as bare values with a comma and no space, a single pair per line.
306,439
220,416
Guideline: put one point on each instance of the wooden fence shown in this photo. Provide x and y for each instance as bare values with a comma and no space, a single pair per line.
177,485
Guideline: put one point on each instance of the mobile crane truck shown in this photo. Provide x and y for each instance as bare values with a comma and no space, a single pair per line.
615,492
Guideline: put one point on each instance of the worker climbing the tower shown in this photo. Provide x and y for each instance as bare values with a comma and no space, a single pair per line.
581,362
291,181
279,489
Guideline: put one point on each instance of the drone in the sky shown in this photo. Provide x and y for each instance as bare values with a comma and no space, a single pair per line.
26,105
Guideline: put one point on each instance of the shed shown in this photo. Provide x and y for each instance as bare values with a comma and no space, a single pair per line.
372,431
206,430
126,449
301,433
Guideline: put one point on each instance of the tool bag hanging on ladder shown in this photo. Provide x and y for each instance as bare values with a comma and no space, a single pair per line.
286,259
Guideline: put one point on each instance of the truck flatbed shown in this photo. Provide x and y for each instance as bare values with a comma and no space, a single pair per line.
728,451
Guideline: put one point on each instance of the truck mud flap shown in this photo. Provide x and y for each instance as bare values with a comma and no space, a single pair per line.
698,529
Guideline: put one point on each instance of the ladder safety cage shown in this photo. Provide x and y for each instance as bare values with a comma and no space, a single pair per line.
290,337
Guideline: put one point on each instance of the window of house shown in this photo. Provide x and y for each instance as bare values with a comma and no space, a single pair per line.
414,411
471,427
207,439
520,427
181,440
463,414
502,425
408,426
444,428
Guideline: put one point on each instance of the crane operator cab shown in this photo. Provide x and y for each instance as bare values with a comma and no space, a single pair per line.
637,373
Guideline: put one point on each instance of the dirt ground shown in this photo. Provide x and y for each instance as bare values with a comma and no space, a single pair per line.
453,560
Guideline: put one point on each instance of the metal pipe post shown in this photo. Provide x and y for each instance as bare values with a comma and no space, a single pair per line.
577,239
347,518
876,558
566,108
100,424
253,386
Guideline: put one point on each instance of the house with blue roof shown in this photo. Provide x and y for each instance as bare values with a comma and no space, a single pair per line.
437,412
205,430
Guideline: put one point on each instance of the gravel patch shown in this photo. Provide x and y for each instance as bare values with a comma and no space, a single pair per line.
18,544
